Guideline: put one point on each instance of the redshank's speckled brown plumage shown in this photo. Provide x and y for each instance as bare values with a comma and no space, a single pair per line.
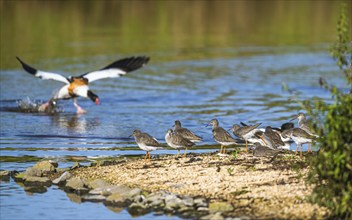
178,142
245,132
221,136
184,132
145,142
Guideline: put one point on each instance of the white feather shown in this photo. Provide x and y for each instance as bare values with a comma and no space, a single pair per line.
62,93
101,74
81,91
146,147
53,76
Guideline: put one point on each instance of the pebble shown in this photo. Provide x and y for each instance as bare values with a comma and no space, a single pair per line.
167,190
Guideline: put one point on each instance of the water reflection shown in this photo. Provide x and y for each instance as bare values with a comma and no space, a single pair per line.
208,59
76,122
74,197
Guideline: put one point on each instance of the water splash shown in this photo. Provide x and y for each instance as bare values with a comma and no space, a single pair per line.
35,106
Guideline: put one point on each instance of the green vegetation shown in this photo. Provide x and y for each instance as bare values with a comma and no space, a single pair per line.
331,170
165,30
235,152
230,171
21,159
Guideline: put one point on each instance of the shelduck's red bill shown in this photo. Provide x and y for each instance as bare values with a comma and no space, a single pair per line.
97,101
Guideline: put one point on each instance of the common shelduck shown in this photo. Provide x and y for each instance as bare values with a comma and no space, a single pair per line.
78,86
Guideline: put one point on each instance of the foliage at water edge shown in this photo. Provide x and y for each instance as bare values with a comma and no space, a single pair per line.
331,170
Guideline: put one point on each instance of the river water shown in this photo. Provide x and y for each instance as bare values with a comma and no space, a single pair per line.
189,78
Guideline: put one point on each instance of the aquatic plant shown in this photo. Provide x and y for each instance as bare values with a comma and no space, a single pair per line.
331,169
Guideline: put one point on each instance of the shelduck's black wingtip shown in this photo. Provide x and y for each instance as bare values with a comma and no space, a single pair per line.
19,59
129,64
26,67
147,59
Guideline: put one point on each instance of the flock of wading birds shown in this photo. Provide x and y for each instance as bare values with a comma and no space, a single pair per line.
272,138
179,138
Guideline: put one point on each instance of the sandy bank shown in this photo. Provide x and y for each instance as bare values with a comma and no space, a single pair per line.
262,187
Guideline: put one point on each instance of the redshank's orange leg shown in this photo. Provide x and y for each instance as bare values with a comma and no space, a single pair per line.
185,152
310,147
145,158
149,156
261,137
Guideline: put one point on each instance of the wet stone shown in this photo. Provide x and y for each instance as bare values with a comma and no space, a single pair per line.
138,209
93,198
75,166
120,189
98,183
138,198
184,209
35,189
220,207
55,164
5,175
215,216
200,202
154,197
19,177
173,202
81,191
188,201
31,171
99,191
202,209
62,170
157,204
76,185
62,179
133,192
41,168
116,199
37,181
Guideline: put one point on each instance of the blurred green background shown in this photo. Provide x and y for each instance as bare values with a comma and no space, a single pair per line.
38,30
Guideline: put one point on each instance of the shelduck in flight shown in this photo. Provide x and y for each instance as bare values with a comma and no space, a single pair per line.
79,85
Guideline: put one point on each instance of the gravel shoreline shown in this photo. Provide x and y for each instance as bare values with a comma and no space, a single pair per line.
255,187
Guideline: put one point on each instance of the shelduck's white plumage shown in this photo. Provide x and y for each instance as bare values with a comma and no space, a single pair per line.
78,86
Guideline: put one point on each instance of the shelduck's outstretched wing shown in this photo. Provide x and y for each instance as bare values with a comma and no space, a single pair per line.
117,68
41,74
